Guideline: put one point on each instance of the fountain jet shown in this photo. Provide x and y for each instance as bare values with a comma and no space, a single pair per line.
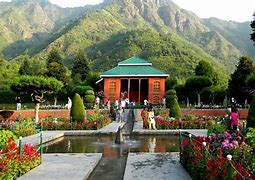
119,138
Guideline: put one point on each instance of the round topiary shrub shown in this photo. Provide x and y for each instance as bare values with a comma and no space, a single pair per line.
172,103
77,110
89,99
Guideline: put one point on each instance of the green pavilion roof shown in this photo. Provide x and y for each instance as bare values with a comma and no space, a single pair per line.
134,61
134,67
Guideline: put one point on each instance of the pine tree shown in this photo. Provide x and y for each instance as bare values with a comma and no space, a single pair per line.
56,68
81,67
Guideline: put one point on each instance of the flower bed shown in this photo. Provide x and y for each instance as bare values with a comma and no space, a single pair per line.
20,127
93,122
25,126
210,162
12,165
200,123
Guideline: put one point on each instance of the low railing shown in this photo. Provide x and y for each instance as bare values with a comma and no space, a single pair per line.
201,163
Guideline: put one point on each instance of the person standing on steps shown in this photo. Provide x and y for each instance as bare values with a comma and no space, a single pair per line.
69,103
18,101
145,102
144,115
152,122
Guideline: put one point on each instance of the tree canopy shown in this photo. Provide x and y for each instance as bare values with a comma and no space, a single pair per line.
36,84
32,67
81,66
237,83
54,56
204,68
198,83
56,68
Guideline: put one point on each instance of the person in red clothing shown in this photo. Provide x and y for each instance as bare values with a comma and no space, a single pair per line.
234,118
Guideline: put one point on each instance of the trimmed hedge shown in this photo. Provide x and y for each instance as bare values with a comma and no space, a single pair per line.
77,110
89,99
172,102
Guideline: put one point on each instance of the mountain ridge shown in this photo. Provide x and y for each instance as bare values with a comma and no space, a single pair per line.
71,29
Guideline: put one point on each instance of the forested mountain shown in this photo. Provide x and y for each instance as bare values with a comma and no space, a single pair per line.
26,23
236,33
172,38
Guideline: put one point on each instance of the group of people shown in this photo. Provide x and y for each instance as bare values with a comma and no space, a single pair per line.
121,114
148,117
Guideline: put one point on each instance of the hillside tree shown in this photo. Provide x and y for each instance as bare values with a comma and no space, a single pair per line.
32,67
56,69
80,68
205,69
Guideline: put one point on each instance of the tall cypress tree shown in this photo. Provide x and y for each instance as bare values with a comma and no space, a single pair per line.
236,86
81,66
56,68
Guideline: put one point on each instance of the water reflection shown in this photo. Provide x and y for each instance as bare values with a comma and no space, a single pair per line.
106,145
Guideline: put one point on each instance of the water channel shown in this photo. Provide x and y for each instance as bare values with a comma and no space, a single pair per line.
113,163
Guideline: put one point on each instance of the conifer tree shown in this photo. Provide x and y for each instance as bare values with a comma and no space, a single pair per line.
81,66
56,68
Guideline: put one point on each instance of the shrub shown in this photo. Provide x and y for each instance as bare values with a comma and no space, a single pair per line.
89,99
77,109
56,124
81,90
174,108
4,136
24,127
216,129
251,114
250,137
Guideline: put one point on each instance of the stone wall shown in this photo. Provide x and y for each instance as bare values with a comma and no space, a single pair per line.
42,114
66,113
213,112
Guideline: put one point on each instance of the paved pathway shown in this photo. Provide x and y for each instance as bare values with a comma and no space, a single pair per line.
64,167
111,128
154,166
